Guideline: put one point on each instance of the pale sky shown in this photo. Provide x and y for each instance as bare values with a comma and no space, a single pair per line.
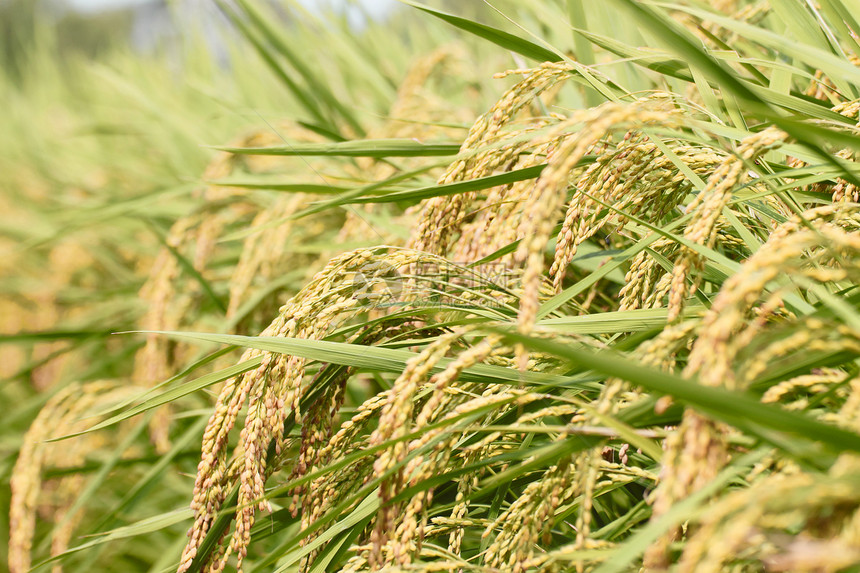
375,7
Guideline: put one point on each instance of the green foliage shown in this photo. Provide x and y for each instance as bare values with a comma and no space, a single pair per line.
598,313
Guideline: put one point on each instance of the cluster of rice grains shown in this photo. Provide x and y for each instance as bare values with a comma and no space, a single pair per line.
349,285
611,174
746,332
180,279
52,500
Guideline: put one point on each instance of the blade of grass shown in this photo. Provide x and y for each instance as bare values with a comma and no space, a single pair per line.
732,407
379,148
499,37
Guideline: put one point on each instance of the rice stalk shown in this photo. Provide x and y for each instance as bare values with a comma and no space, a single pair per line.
742,312
66,412
345,288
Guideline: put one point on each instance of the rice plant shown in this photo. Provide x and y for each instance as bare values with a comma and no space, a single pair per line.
551,286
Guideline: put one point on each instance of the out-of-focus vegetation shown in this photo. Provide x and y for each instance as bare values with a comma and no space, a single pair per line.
598,312
92,35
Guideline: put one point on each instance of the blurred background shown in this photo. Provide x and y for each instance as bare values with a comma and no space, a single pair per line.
93,27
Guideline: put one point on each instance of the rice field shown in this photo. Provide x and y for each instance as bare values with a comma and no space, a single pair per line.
551,286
